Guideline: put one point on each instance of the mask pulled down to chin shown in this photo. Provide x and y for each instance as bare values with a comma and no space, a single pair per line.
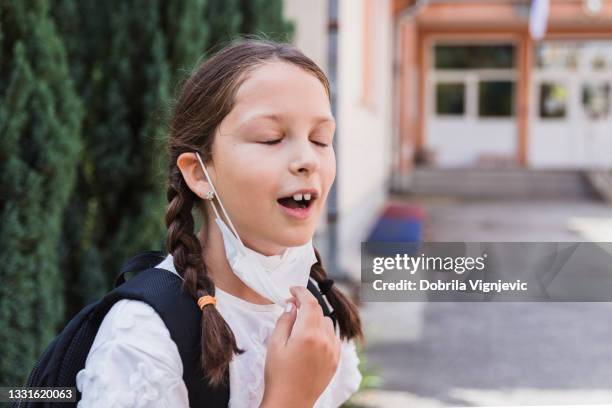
269,276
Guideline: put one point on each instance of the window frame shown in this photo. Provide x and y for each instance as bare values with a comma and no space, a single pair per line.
471,78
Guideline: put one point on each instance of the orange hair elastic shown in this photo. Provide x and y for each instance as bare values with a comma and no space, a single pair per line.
207,300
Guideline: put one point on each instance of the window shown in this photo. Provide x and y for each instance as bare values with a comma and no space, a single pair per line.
591,55
596,100
474,56
474,80
553,100
495,98
450,98
557,55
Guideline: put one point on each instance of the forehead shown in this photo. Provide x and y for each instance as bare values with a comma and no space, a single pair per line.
281,88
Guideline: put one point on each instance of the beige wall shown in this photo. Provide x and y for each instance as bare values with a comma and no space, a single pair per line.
364,156
310,19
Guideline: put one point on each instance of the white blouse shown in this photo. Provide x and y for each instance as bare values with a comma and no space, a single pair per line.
133,361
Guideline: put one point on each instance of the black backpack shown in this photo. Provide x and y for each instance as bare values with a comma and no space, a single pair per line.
161,289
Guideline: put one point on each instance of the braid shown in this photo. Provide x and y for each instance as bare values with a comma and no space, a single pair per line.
218,341
345,310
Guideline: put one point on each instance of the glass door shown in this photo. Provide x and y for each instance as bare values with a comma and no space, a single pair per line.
570,120
471,104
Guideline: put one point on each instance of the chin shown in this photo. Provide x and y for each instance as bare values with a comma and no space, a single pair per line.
298,238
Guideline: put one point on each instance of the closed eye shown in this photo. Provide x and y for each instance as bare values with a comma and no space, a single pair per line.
271,142
320,144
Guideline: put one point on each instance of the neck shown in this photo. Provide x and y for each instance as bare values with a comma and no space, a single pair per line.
219,269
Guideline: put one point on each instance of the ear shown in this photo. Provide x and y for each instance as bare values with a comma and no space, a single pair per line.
190,167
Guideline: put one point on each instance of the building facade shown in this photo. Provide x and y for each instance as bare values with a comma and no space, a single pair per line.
474,88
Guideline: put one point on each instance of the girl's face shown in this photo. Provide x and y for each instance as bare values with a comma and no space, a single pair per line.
271,153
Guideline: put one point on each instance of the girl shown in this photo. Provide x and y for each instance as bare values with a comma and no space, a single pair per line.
250,148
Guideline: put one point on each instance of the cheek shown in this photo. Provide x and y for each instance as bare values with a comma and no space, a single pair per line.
251,178
328,170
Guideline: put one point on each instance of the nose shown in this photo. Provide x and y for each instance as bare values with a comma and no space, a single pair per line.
305,160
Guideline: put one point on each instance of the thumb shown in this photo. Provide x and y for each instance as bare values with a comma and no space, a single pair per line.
284,324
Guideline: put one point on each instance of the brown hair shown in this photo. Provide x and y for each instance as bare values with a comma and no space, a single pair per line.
206,97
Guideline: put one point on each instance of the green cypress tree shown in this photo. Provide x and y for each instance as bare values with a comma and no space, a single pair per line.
117,209
186,33
265,17
85,29
40,116
225,19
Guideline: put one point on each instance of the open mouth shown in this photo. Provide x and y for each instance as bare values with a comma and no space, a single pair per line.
297,201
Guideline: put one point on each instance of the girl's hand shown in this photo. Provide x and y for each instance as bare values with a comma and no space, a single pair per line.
303,353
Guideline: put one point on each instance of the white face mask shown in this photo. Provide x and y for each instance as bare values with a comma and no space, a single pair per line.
269,276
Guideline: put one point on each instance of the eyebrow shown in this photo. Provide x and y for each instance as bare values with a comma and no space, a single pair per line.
317,119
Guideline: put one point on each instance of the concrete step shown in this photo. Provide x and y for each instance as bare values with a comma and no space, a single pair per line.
511,183
601,182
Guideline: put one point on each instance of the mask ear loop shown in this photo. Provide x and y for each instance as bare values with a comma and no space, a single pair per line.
218,199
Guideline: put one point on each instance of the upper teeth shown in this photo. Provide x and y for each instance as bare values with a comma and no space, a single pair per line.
298,197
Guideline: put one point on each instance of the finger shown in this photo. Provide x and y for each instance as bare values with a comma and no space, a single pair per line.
304,298
302,295
310,312
306,301
337,348
284,325
328,326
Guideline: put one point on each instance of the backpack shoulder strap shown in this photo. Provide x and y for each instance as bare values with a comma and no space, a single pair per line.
140,262
328,310
163,291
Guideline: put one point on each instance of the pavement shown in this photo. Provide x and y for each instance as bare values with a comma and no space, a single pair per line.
495,354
